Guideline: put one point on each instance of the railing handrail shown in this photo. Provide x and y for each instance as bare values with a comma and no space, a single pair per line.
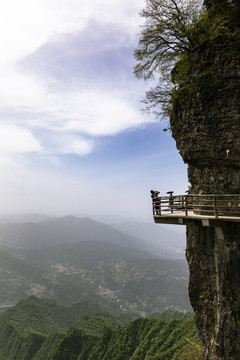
217,204
201,195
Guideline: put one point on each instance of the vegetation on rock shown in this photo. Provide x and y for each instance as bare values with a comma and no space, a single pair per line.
39,330
174,32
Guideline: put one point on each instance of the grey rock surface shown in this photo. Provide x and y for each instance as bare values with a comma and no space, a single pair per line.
207,133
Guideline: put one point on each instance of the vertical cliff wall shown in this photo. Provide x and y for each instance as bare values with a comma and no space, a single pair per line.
206,126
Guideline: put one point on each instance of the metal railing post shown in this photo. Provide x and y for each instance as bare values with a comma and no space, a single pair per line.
215,206
186,205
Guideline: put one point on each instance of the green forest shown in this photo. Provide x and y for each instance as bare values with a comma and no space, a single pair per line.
40,329
90,297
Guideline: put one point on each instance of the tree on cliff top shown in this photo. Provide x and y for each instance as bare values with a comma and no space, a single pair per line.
173,29
167,36
167,33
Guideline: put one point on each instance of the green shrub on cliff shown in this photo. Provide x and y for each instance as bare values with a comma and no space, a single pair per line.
173,32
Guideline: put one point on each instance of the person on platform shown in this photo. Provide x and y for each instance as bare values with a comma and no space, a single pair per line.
156,202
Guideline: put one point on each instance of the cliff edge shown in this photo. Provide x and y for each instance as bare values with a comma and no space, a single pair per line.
205,123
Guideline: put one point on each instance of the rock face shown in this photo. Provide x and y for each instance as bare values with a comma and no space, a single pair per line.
206,127
214,288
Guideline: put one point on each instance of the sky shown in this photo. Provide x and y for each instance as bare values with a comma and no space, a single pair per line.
73,139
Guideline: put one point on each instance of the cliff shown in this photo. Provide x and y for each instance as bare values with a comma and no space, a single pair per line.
205,123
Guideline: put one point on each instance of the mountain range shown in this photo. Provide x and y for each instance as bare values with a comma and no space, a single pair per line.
73,259
162,241
80,284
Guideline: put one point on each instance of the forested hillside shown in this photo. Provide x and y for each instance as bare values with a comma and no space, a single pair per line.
39,330
94,271
100,288
26,326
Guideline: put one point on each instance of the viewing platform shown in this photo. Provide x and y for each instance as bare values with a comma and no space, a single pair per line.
210,209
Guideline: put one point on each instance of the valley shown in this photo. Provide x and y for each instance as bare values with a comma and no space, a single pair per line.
94,264
74,288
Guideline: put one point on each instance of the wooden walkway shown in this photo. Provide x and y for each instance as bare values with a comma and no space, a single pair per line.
181,209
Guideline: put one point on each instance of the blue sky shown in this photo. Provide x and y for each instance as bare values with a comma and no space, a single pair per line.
72,136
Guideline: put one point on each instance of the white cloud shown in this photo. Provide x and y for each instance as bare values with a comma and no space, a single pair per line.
65,143
25,25
101,114
94,113
14,140
7,162
80,147
18,91
71,116
30,103
91,113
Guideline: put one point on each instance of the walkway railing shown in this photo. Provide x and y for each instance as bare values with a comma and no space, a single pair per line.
207,205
